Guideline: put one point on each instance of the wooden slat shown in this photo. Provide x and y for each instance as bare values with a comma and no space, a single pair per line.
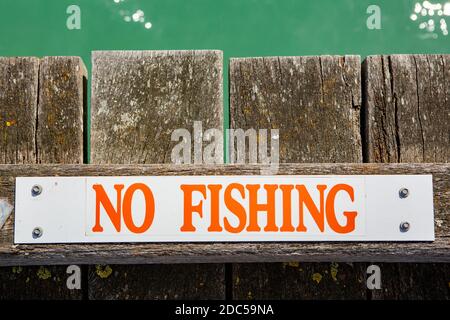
407,112
138,99
61,109
145,282
437,251
413,281
315,103
407,108
45,119
18,104
300,280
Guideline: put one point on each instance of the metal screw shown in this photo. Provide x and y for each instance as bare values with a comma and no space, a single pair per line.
36,190
37,233
403,193
404,226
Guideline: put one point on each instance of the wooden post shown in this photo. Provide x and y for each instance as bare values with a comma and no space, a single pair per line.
138,99
41,121
62,96
407,116
315,103
407,108
18,104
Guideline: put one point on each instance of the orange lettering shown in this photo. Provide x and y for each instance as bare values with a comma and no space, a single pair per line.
189,208
306,199
215,225
102,198
331,214
287,216
149,208
235,207
255,207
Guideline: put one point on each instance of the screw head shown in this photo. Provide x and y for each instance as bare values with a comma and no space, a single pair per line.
403,193
404,226
36,190
37,233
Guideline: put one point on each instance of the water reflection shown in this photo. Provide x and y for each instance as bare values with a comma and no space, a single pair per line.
431,18
136,16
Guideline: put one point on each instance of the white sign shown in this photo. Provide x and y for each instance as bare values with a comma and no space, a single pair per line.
224,208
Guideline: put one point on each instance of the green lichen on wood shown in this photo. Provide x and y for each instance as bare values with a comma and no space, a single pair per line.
317,277
43,273
334,270
292,264
103,271
17,270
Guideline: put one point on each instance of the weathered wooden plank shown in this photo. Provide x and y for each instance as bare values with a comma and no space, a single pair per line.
413,281
36,283
407,112
437,251
46,118
300,280
315,102
407,108
61,110
18,105
145,282
138,99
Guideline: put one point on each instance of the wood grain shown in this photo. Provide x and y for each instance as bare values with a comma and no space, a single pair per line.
18,107
300,280
157,282
138,99
413,281
407,108
61,110
407,112
43,104
315,102
437,251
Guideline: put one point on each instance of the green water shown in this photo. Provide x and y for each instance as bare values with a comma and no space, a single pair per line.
238,27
